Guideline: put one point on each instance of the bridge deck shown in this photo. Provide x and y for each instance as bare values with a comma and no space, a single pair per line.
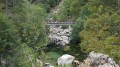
60,23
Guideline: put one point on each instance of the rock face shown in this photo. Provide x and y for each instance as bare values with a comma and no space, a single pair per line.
59,36
65,59
98,60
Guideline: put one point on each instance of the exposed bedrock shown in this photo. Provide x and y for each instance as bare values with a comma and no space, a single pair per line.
60,35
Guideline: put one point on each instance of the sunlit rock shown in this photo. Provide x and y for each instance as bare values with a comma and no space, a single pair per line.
65,59
98,60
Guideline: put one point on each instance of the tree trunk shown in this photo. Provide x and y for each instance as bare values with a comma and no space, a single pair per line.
0,59
6,7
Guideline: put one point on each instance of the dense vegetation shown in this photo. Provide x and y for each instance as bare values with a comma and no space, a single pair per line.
23,33
97,25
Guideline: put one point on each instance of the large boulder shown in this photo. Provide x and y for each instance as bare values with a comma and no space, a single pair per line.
65,59
98,60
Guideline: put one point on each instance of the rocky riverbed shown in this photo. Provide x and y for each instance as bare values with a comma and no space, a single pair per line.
93,60
60,35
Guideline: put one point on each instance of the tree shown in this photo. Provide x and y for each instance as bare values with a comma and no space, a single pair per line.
98,27
22,34
102,35
9,39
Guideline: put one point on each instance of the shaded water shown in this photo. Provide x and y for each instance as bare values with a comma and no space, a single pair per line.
54,52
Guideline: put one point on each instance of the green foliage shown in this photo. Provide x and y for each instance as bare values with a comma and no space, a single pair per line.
111,3
99,35
8,37
98,28
9,40
75,39
26,56
48,4
32,30
69,9
64,11
75,8
30,22
22,34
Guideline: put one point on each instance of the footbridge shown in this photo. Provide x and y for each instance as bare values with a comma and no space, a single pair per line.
60,23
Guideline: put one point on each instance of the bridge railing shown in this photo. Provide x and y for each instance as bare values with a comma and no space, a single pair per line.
60,22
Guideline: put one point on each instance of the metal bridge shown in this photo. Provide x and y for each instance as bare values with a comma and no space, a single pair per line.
60,23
